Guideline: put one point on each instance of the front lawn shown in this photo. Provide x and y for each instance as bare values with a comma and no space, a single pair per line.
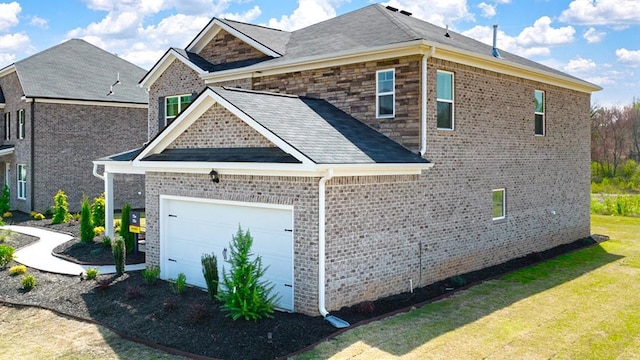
582,305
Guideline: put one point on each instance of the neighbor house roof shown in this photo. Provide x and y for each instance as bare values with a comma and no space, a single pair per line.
77,70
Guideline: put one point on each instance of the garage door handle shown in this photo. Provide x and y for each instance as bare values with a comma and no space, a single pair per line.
171,215
288,285
172,260
288,230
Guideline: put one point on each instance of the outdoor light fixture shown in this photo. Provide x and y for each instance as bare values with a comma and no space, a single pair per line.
214,176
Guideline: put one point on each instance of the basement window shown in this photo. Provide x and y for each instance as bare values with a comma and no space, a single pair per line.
499,202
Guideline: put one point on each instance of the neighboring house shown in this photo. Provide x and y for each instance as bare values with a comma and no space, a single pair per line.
62,108
366,154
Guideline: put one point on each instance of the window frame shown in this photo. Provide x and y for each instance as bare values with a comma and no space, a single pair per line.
449,101
21,125
21,182
7,126
387,93
167,119
542,113
504,204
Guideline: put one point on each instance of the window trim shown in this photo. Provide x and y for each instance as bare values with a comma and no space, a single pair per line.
180,108
544,117
504,204
7,126
21,183
379,94
452,101
21,122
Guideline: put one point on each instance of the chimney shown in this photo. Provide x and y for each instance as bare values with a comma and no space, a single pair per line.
495,51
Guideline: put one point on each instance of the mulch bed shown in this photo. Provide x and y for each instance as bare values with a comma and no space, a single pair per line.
191,322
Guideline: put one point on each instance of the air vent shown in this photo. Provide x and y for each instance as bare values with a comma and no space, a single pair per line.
405,13
392,8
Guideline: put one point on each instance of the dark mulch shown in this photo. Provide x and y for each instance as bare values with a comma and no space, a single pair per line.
191,322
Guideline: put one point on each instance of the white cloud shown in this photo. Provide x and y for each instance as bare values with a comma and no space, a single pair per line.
602,12
9,15
307,13
438,12
505,42
488,11
593,36
39,22
13,42
629,57
502,1
6,59
541,33
248,16
580,65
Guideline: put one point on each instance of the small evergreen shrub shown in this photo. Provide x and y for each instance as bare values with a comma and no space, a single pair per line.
75,217
98,210
91,273
106,241
124,228
119,254
179,284
86,223
151,274
210,272
457,281
6,255
38,216
244,293
117,225
5,199
17,270
49,212
103,284
197,313
33,213
28,282
60,208
7,214
98,230
134,292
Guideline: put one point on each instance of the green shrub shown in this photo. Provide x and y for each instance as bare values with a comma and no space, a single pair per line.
7,214
60,208
618,205
151,274
6,255
17,270
106,241
3,235
28,282
5,199
244,293
38,216
98,210
91,273
49,212
117,225
179,284
118,250
86,223
210,272
98,230
124,228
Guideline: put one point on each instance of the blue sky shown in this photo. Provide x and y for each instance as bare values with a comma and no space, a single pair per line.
596,40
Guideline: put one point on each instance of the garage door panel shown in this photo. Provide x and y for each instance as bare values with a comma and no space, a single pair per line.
193,228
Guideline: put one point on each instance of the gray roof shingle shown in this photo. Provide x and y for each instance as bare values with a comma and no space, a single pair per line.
262,155
273,39
77,70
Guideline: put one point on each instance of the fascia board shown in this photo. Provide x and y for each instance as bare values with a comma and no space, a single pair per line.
214,27
163,64
7,70
119,167
85,102
7,151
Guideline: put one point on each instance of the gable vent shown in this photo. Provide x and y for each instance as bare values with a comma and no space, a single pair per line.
392,8
405,13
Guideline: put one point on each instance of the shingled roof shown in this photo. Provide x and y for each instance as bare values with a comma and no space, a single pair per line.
77,70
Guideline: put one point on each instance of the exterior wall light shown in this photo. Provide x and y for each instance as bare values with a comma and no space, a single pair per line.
214,176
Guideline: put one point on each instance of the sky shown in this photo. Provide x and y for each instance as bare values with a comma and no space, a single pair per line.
595,40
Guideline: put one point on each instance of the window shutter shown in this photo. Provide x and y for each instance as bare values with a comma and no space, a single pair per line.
161,113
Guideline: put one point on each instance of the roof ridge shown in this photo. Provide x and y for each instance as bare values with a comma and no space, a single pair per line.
254,25
401,25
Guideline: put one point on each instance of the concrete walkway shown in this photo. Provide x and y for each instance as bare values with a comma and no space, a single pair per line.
39,254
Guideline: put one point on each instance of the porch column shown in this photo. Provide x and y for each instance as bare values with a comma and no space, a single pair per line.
108,206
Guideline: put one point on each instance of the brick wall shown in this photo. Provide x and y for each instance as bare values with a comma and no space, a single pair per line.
69,137
225,48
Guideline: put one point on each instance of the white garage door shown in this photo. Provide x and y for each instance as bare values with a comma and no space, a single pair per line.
191,227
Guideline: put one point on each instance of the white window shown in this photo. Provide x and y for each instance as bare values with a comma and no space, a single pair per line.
385,93
539,113
499,204
173,106
21,124
22,181
7,126
444,94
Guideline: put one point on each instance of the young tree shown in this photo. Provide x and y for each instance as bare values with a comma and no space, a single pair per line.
128,236
5,200
60,208
97,211
244,293
86,223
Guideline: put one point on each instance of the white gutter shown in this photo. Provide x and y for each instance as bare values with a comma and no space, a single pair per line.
95,172
423,114
321,242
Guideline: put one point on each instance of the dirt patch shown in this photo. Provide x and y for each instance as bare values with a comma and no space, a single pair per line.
192,322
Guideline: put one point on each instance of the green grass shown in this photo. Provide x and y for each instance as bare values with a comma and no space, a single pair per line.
582,305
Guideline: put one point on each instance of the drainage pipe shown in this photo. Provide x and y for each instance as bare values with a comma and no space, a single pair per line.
95,172
423,108
321,242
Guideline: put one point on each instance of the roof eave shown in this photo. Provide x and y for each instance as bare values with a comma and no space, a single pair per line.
8,70
161,66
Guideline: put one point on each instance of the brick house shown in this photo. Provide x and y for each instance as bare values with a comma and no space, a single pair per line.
367,154
62,108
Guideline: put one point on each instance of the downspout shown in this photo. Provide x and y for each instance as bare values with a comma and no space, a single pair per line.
336,322
33,155
423,108
95,172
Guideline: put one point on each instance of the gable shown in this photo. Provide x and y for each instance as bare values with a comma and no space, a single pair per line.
219,128
226,48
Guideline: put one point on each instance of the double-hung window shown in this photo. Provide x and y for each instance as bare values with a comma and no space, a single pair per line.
174,105
539,113
21,124
22,181
7,126
444,85
385,93
499,204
